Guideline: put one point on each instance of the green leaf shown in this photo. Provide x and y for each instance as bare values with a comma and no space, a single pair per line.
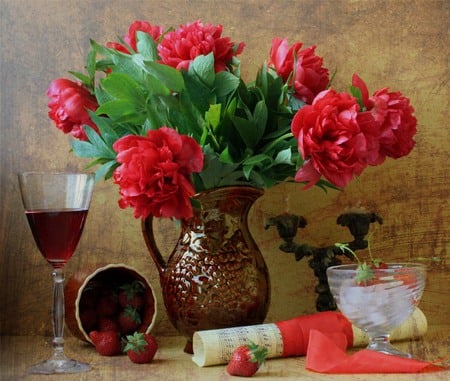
258,160
102,96
169,76
104,150
251,117
102,50
85,80
84,149
263,79
104,125
364,274
123,111
247,169
284,156
91,64
122,86
146,46
130,65
225,156
225,83
256,179
212,116
199,94
154,86
95,147
356,92
260,118
247,130
203,67
214,171
106,170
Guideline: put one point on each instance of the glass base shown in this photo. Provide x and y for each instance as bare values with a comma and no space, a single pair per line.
59,365
382,344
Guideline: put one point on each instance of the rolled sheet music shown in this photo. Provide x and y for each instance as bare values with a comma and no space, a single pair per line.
289,338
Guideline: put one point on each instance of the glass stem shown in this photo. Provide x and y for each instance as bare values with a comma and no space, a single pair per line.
379,341
58,313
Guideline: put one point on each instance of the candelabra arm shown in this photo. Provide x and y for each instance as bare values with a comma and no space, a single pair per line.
287,225
358,222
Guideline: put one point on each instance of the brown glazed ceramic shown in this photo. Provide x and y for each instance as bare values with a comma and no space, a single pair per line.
111,275
216,276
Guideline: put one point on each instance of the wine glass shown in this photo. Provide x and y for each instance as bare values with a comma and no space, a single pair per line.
380,304
56,206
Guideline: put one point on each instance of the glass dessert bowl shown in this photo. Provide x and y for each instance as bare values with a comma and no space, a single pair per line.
381,303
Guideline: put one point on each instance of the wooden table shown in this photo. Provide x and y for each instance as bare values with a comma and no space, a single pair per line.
171,363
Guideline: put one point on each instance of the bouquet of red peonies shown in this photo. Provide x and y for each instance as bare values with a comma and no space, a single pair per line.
166,114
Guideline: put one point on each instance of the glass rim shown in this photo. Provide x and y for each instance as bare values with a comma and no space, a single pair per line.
54,173
352,267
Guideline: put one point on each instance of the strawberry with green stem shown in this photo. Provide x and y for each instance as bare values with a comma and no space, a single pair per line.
365,273
246,360
131,294
129,320
140,347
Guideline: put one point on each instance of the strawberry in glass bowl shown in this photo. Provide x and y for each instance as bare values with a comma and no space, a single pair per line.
377,298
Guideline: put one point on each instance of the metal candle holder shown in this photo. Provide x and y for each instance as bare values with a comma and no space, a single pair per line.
358,222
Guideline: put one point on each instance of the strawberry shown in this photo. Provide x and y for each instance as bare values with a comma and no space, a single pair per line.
106,343
407,277
131,294
108,304
246,360
140,347
370,274
378,264
108,324
89,298
129,320
88,319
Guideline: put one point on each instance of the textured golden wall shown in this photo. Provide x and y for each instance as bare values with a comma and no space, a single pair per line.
402,44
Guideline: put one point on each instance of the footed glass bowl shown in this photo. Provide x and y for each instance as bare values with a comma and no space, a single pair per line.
380,304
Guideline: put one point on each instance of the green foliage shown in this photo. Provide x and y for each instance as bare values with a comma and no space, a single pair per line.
243,129
135,342
258,353
364,271
356,92
364,274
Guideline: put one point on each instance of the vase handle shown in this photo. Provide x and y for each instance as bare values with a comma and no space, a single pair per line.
147,231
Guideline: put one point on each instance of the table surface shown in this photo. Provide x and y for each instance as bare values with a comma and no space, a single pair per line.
171,363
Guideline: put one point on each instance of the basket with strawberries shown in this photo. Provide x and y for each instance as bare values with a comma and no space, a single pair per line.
113,307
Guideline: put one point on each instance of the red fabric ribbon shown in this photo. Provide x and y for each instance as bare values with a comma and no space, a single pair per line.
295,332
325,355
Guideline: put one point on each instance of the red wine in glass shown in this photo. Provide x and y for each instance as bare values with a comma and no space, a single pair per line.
57,232
56,207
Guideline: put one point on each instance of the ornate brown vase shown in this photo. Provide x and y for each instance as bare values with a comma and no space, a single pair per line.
215,277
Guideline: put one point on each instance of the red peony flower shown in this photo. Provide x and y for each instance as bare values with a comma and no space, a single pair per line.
178,48
155,31
334,138
394,116
154,175
282,57
303,68
68,103
399,124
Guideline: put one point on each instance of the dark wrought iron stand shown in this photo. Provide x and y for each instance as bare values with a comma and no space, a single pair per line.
323,257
